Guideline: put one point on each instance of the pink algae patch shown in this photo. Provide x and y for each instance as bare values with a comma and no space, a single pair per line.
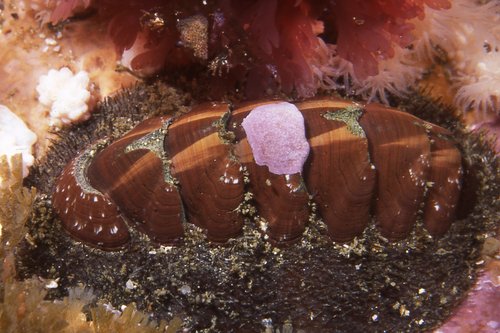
276,134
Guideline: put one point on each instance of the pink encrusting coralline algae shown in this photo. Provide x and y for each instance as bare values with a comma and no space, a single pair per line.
479,312
280,145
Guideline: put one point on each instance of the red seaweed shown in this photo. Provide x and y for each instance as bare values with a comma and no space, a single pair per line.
262,44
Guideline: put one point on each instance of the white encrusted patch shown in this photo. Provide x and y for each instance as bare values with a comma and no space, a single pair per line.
66,94
16,138
276,133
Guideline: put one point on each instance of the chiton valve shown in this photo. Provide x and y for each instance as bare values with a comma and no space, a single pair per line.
267,161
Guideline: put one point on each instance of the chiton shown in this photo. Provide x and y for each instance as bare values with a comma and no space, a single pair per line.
361,163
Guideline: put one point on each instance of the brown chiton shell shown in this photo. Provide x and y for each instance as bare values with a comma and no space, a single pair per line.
210,178
366,162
